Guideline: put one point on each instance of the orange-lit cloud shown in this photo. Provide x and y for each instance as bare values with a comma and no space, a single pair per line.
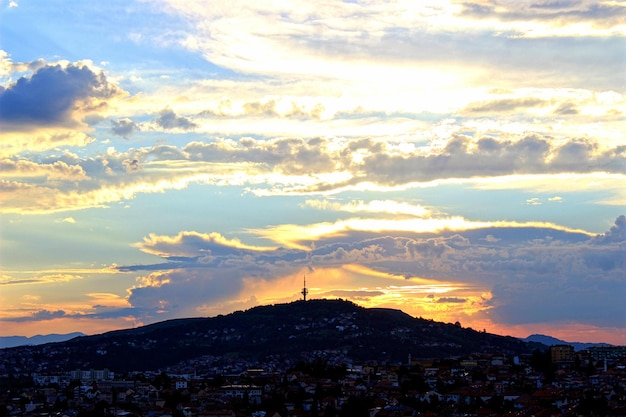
38,279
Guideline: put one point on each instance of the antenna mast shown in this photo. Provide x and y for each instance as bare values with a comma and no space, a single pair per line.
304,291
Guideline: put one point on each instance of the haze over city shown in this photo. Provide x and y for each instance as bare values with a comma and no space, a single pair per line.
458,160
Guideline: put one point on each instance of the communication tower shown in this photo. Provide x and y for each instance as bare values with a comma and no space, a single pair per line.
304,291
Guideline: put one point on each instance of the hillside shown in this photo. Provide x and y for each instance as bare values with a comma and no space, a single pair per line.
551,341
283,329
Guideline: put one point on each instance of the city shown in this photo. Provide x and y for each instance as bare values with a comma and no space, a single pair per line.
555,382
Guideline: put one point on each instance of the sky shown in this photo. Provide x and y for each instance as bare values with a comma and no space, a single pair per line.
458,160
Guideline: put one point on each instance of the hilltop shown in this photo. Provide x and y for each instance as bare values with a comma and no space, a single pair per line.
282,329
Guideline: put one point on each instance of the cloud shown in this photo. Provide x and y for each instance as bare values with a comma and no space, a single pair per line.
257,108
368,42
124,127
40,279
52,104
512,275
299,166
41,315
491,239
352,294
463,157
191,244
132,165
384,163
445,300
540,272
567,109
169,120
96,312
59,170
274,109
559,13
12,143
185,292
533,201
55,95
617,233
505,105
332,106
374,206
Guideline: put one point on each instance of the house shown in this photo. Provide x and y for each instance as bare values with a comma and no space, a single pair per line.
252,392
217,413
180,383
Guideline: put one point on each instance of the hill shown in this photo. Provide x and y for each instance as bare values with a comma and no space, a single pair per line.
13,341
284,329
551,341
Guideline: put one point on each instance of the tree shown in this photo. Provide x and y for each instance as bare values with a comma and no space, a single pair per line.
355,407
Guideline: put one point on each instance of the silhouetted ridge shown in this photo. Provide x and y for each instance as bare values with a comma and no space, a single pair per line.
288,329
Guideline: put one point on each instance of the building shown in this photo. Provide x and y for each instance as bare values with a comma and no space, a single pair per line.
253,393
180,383
562,353
610,353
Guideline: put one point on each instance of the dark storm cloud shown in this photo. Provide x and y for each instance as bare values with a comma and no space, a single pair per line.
124,127
52,94
169,120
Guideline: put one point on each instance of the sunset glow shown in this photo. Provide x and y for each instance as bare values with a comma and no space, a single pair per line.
458,160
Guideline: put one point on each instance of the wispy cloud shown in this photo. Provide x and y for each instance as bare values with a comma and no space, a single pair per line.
375,206
38,279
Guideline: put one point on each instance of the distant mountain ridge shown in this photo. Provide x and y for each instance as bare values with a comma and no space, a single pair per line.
285,330
551,341
40,339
